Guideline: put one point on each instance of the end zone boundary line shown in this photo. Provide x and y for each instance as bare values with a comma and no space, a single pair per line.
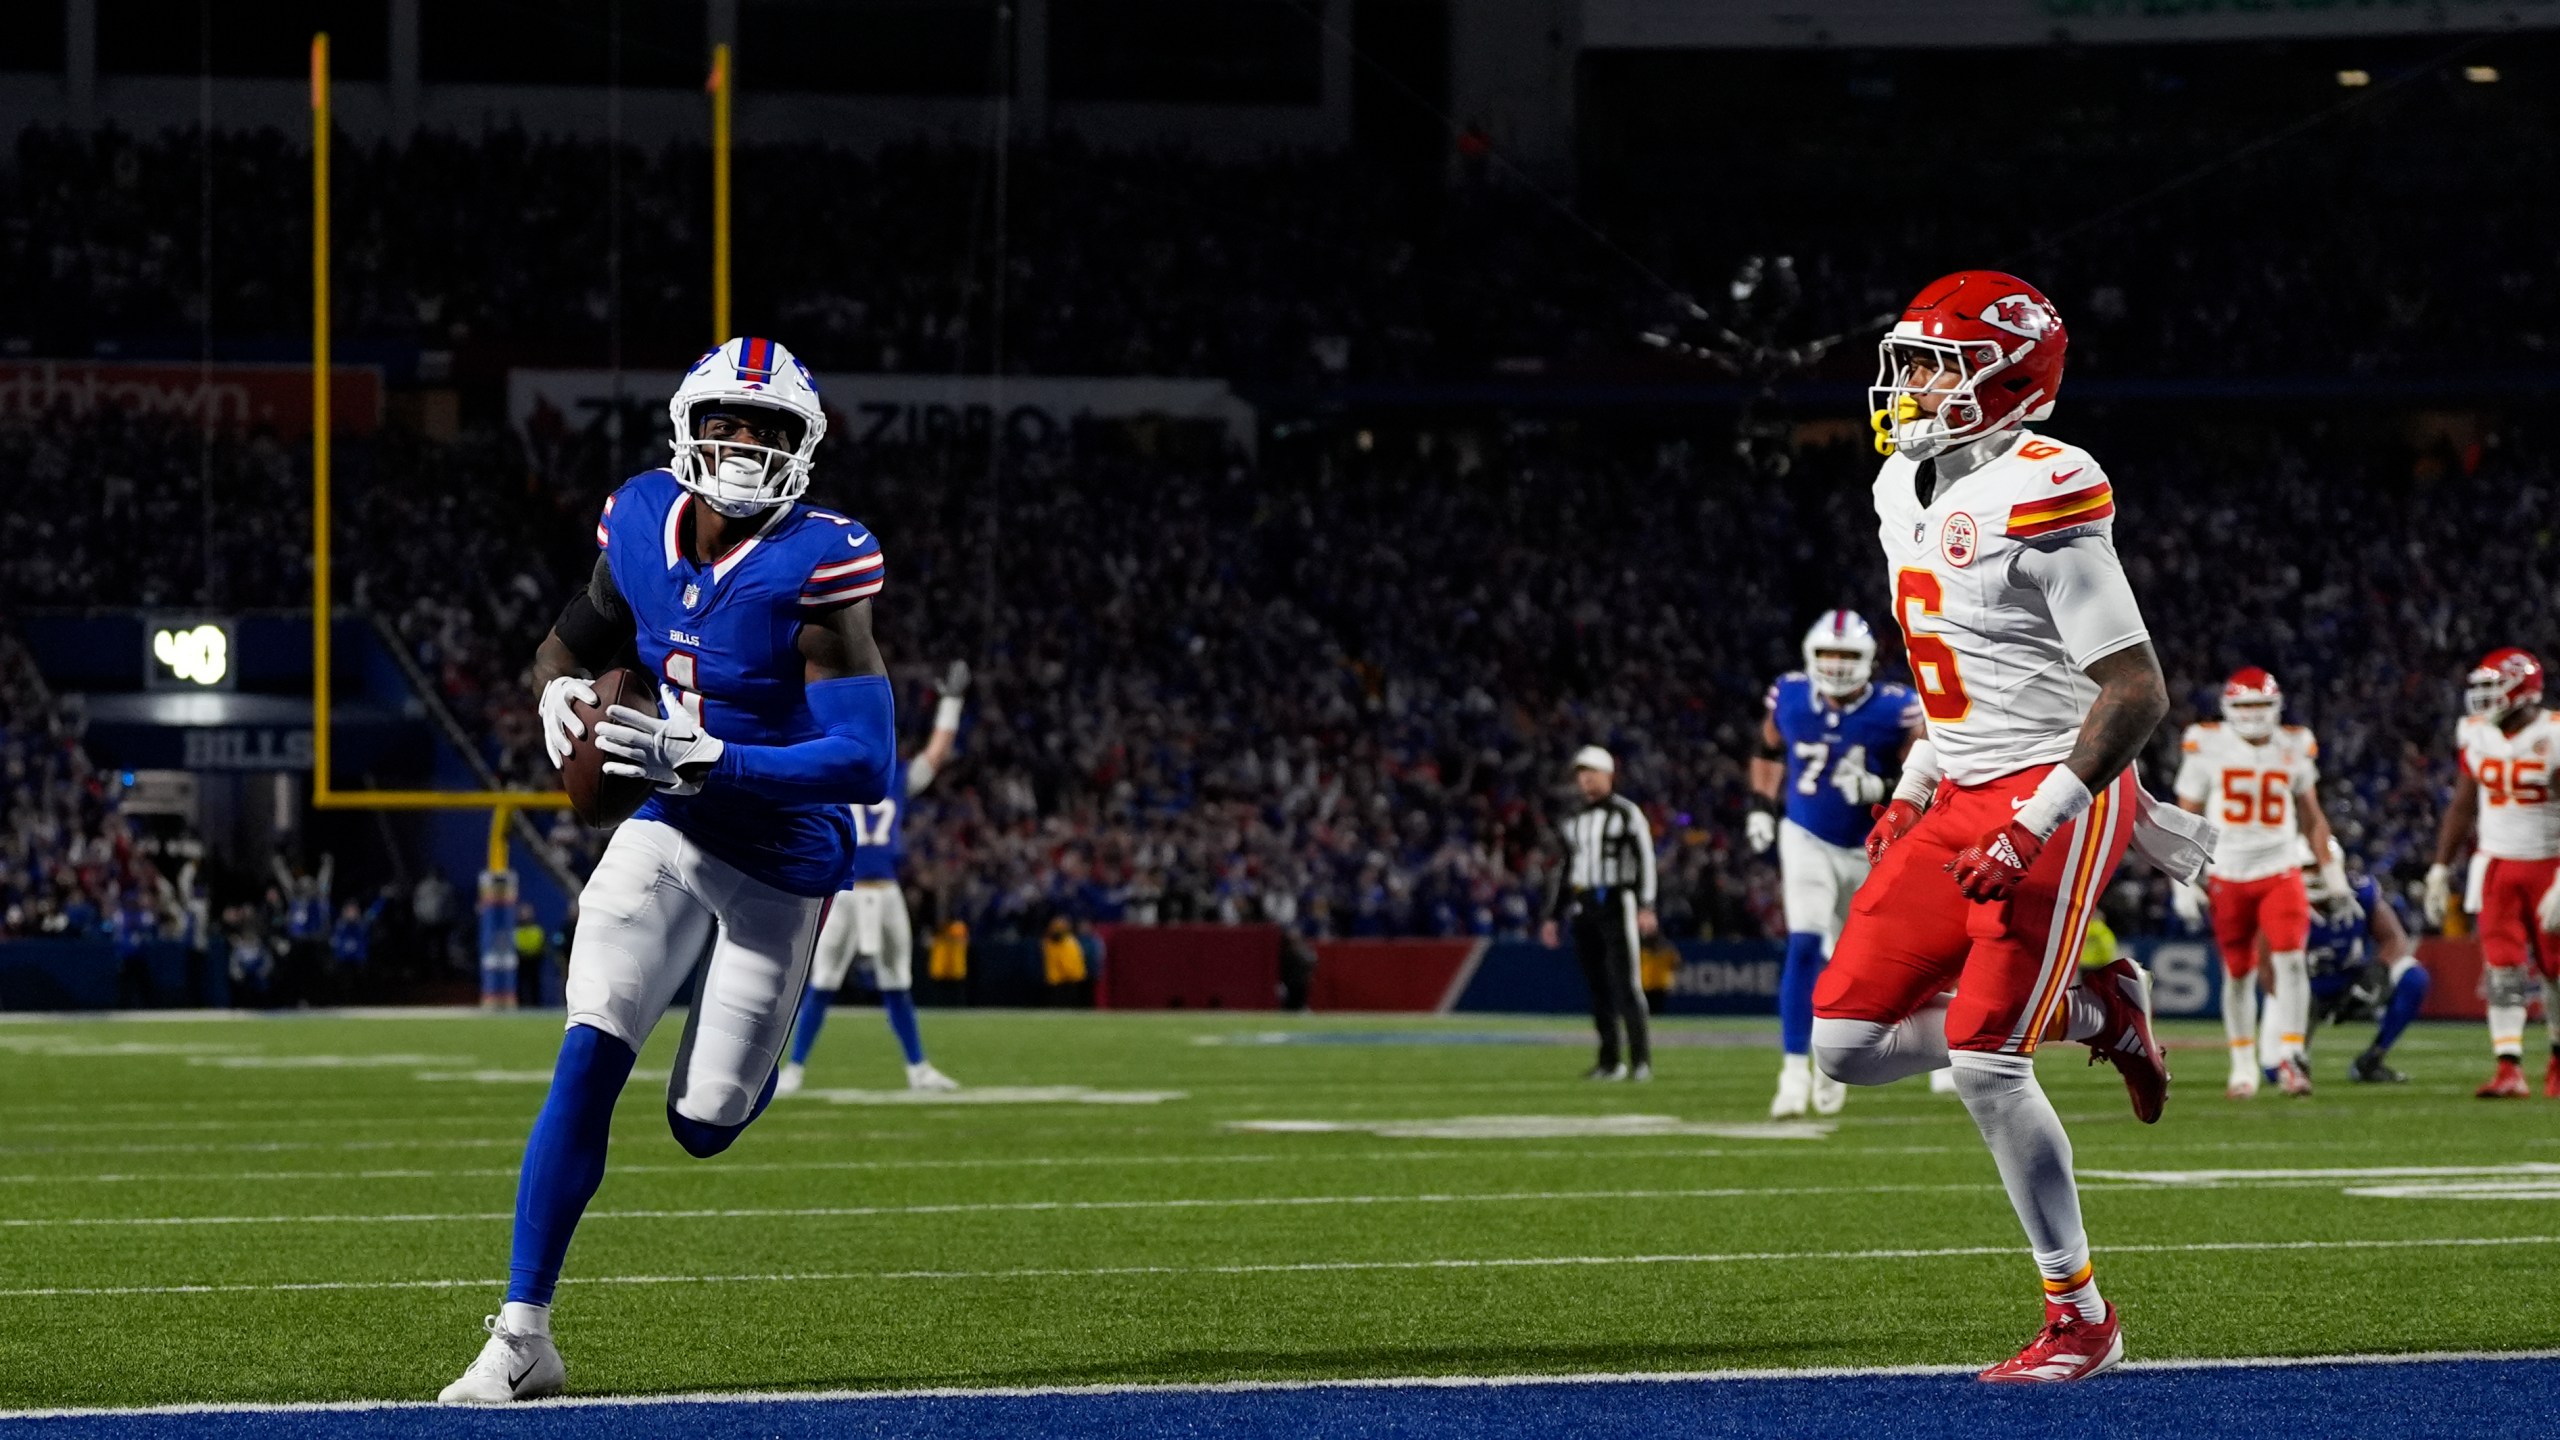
1259,1387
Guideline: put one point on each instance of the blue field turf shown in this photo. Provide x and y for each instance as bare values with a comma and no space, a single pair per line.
2450,1397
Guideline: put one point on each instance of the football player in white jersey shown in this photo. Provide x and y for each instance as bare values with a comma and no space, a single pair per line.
2507,744
2260,780
2039,686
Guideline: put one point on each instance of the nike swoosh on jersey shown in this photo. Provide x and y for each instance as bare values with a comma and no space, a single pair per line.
2067,474
2019,802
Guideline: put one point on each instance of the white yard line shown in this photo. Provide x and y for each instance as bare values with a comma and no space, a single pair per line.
1310,1267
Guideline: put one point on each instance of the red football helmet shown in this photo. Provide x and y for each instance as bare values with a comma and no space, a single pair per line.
1994,336
2252,703
2504,682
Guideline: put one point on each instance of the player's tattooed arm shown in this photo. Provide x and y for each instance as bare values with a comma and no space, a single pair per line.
838,644
2132,700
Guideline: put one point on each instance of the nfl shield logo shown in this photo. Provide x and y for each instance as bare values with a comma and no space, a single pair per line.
692,594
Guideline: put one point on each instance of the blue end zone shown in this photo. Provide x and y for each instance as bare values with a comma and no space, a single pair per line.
2455,1397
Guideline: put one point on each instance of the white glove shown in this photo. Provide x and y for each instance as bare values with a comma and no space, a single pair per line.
2342,907
1857,784
658,750
2439,892
1760,830
2548,911
559,725
2187,902
955,681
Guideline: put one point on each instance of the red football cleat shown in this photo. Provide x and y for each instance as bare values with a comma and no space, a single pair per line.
2292,1077
2551,1078
2126,1041
2508,1083
2067,1348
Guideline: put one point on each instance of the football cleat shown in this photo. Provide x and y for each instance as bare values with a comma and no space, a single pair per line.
2291,1076
2243,1084
2551,1078
1605,1072
2370,1069
1828,1094
1642,1072
2126,1041
922,1076
1795,1094
511,1367
789,1081
2067,1348
2508,1083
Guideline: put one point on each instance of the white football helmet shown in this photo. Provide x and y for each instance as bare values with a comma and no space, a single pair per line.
2252,704
1840,653
749,374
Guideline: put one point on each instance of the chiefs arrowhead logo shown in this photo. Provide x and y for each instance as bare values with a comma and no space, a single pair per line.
2021,315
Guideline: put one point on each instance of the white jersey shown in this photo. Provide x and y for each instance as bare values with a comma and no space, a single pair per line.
2007,588
2253,789
2518,819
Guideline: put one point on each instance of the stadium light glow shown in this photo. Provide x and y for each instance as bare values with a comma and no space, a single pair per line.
2352,79
2480,74
200,655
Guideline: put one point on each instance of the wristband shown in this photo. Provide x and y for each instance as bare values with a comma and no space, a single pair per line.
946,714
2056,803
1920,776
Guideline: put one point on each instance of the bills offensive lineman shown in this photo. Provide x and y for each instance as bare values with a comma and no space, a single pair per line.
753,612
1826,728
869,920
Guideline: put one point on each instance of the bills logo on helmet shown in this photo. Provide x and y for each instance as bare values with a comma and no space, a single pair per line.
2020,315
1958,539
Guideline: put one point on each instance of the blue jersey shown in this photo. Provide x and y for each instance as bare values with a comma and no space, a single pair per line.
880,831
1820,737
722,640
2337,949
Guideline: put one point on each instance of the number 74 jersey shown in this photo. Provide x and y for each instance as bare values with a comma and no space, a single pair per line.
2253,790
2518,818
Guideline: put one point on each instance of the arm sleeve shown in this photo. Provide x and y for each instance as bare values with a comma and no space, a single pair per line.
920,773
597,623
1641,830
848,765
2085,590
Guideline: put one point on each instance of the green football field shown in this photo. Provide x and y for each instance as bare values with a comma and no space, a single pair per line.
317,1207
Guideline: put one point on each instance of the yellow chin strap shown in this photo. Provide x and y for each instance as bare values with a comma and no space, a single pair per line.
1903,408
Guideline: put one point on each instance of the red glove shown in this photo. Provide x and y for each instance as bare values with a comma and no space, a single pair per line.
1991,867
1892,823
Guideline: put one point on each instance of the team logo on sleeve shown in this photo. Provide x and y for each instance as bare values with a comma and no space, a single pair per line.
1958,540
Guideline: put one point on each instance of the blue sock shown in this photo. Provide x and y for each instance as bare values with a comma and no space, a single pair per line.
1795,992
813,1016
701,1139
900,1006
564,1159
2406,996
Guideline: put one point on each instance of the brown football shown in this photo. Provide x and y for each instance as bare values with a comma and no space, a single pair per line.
602,799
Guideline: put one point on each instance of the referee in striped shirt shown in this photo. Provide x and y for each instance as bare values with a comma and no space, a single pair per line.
1606,889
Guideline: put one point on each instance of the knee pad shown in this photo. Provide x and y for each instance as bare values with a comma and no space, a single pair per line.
2510,985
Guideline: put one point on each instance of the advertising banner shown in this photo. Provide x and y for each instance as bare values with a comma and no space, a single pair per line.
227,396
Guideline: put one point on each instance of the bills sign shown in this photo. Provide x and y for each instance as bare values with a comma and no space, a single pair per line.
227,396
899,410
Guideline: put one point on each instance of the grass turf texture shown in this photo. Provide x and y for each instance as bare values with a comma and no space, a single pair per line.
1147,1267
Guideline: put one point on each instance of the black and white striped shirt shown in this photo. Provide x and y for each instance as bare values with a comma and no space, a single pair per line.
1609,847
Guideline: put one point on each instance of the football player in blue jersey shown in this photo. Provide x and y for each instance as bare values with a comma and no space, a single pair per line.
869,920
2351,979
753,613
1829,731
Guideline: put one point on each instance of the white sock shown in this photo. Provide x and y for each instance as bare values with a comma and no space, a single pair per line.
2270,1033
2551,1010
2034,1155
518,1318
2083,1013
2506,1031
2293,1000
1862,1052
2240,1008
1791,1066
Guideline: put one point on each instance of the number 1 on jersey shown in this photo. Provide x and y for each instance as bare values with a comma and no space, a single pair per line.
1916,593
685,681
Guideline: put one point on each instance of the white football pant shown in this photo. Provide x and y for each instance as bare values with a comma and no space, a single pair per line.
1816,881
869,923
656,910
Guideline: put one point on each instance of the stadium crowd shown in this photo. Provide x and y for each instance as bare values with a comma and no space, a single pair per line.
1333,685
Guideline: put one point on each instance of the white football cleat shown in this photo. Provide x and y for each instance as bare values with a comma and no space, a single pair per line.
1828,1094
789,1081
511,1367
922,1076
2243,1084
1795,1089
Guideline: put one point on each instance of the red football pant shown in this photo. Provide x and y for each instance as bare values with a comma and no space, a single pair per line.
2274,907
2510,934
1911,934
